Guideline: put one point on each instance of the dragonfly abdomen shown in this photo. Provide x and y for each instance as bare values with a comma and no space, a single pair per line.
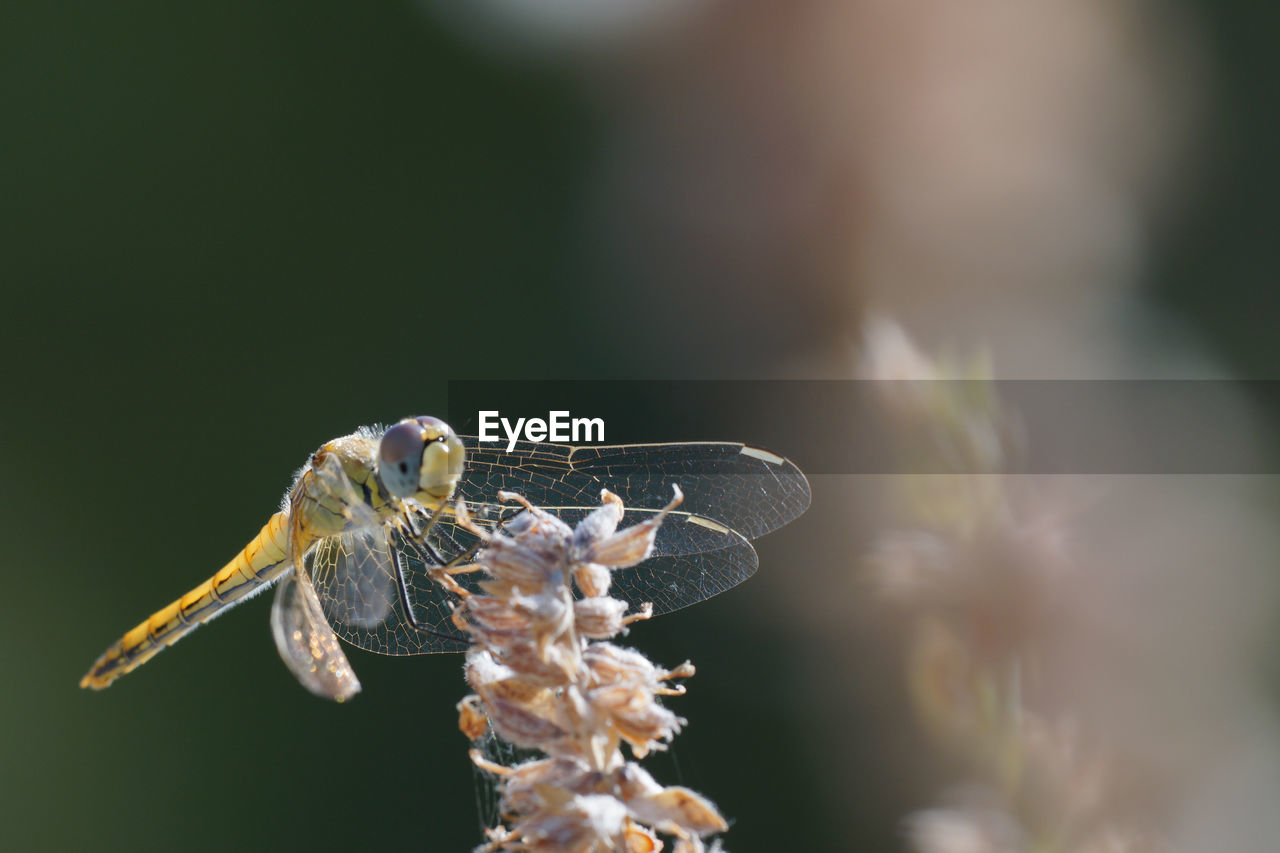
259,563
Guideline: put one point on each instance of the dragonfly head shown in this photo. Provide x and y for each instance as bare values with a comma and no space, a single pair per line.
420,458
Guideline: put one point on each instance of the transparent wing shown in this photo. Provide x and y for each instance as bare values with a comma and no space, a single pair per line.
733,493
355,578
744,488
307,644
693,559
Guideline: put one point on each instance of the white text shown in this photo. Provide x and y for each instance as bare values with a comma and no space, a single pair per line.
557,427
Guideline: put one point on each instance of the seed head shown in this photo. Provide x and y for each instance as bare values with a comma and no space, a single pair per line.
545,677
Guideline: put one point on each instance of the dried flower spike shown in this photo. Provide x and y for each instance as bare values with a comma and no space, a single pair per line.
545,677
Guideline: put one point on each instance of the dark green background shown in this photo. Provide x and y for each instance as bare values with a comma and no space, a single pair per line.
231,232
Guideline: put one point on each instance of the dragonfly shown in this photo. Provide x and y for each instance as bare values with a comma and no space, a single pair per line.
372,517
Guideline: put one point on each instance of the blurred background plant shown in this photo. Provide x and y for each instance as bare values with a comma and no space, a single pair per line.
231,233
976,565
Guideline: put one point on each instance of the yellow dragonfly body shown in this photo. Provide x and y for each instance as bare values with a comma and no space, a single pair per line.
358,532
339,489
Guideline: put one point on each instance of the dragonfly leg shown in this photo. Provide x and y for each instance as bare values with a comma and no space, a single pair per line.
420,541
431,522
406,603
464,556
427,553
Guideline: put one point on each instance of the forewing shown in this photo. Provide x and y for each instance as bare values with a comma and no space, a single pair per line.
744,488
356,581
354,578
307,644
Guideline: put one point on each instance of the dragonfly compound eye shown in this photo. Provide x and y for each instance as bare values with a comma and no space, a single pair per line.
434,428
400,457
442,461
